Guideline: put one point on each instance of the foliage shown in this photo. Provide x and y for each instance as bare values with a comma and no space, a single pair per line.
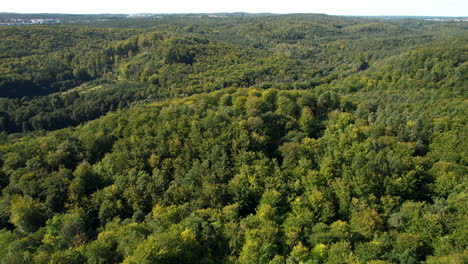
263,139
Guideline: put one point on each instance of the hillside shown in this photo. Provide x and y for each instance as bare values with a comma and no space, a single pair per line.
262,139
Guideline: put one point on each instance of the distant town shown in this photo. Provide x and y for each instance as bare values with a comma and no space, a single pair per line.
27,21
448,19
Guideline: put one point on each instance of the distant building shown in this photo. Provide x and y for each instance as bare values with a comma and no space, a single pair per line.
28,21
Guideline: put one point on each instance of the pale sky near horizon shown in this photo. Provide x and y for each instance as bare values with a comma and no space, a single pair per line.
330,7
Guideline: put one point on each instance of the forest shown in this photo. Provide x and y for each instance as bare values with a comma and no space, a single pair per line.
240,138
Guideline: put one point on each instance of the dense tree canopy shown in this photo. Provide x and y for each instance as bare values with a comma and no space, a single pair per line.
258,139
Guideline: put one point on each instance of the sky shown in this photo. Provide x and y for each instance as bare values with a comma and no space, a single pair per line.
330,7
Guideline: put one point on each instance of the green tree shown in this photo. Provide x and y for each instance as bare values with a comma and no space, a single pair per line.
27,214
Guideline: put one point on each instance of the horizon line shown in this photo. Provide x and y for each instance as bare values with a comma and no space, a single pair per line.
227,12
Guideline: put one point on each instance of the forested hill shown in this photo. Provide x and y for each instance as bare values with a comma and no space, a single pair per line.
234,139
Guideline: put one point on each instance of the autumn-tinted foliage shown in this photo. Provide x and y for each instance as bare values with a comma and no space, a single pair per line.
264,139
